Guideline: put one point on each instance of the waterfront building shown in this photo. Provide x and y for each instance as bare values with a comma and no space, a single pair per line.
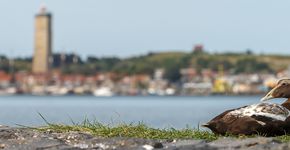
42,42
198,48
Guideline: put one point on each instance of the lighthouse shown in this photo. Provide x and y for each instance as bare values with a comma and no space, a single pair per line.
42,42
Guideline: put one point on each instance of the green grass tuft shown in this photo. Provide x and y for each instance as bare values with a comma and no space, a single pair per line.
283,138
139,130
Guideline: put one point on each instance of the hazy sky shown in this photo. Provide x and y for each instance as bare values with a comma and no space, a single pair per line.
132,27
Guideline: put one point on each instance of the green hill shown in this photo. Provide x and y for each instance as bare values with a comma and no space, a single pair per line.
172,62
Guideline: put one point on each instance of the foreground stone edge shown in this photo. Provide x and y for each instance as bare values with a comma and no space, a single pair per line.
24,138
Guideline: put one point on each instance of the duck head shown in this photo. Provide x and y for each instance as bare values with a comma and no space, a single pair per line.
281,90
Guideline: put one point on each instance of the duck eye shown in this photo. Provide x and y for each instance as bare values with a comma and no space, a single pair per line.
284,84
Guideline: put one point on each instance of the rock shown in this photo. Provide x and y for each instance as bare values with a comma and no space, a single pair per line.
246,143
158,145
189,145
28,139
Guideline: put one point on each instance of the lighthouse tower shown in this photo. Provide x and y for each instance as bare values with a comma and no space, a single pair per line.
42,42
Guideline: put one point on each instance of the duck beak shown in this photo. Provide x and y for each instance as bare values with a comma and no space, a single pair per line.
269,95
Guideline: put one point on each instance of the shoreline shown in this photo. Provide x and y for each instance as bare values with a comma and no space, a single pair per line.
28,138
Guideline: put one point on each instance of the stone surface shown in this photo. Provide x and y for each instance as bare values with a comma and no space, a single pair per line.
28,139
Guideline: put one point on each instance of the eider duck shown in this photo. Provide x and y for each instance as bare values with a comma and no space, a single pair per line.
267,119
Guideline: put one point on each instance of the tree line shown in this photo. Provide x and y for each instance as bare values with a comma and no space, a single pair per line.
171,62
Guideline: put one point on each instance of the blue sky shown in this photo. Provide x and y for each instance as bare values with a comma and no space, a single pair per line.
130,27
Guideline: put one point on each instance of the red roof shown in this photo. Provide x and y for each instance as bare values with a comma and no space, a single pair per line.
4,76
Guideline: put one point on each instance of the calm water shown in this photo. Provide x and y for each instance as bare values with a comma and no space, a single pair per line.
158,112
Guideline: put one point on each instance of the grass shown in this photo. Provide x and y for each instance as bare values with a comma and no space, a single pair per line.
283,138
141,130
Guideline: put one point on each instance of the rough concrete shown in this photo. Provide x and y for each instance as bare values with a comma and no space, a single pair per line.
28,139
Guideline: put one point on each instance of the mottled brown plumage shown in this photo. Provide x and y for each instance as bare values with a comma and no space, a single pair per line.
263,118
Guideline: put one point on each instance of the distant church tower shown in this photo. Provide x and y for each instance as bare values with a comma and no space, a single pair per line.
42,43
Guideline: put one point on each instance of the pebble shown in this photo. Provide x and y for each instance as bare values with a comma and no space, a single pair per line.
148,147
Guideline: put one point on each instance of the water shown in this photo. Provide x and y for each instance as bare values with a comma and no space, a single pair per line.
159,112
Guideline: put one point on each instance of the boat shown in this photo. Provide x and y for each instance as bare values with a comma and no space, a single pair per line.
103,91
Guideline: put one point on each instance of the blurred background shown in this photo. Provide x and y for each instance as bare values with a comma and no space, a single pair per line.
100,53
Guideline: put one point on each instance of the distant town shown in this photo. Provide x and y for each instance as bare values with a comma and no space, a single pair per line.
168,73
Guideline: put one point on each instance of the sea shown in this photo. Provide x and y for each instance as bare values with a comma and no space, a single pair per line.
155,111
